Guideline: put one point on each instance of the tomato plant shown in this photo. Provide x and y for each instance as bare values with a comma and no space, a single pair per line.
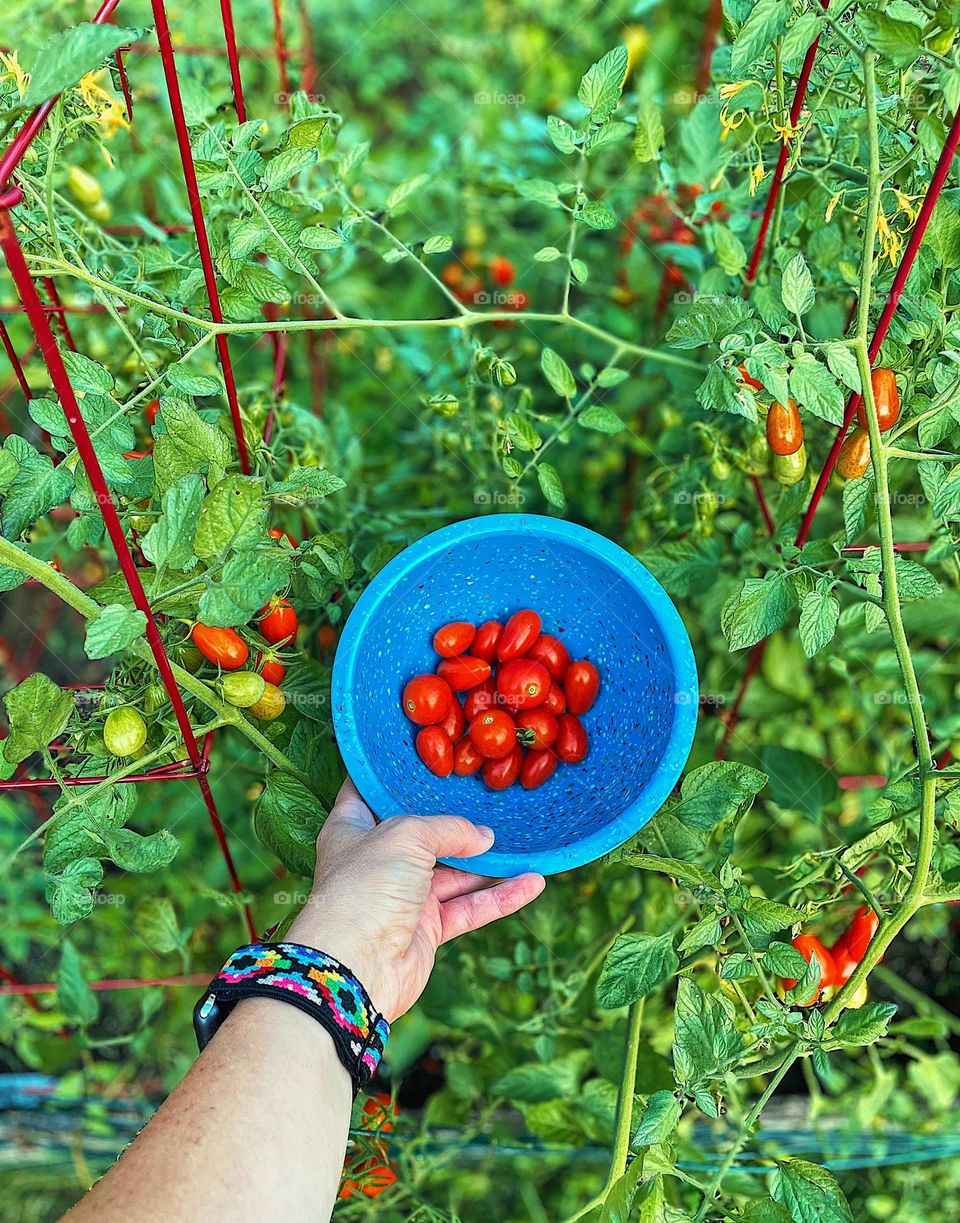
436,299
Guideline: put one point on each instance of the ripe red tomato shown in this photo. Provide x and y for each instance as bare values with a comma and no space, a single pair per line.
502,271
494,733
454,724
483,696
376,1178
276,533
751,382
487,639
537,768
151,410
552,653
137,454
501,773
378,1113
519,634
843,961
454,638
463,672
861,931
522,684
278,622
222,646
784,428
435,750
811,948
466,759
326,636
541,724
581,685
426,699
556,701
885,396
854,457
571,744
272,669
452,275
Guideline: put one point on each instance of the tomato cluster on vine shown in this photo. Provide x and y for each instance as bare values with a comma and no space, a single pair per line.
838,962
474,279
523,697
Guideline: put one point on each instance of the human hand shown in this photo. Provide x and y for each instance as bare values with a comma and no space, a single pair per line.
382,906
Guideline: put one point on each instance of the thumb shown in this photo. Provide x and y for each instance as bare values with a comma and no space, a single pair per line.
350,816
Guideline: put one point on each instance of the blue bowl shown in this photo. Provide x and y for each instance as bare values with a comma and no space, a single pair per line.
603,604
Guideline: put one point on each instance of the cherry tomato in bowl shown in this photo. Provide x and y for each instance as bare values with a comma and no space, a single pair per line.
522,684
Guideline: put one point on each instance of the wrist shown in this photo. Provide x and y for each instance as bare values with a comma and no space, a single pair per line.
314,926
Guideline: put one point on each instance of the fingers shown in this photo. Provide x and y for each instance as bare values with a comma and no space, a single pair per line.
449,882
476,909
442,836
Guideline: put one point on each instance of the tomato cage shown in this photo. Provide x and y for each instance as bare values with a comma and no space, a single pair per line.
49,318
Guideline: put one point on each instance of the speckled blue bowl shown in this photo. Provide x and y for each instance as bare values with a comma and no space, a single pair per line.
603,604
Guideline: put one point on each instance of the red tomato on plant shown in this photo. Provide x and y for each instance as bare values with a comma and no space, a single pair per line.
466,759
487,639
581,685
885,396
556,701
426,699
571,744
376,1178
454,638
379,1112
151,410
522,684
222,646
494,734
541,724
784,428
748,378
538,767
519,634
272,669
843,961
278,622
811,948
501,773
276,533
502,271
463,672
435,750
861,931
455,723
326,636
854,457
484,696
552,653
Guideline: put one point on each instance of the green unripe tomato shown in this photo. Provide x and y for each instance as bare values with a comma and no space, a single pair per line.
243,688
124,732
154,697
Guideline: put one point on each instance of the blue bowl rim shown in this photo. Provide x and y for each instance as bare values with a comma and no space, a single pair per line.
678,746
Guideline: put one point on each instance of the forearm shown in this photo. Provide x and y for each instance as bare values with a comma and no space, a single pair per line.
257,1130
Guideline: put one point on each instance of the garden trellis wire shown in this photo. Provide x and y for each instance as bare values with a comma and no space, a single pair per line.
39,315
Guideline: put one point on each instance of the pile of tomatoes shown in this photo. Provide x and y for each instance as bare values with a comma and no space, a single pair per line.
784,430
523,696
837,962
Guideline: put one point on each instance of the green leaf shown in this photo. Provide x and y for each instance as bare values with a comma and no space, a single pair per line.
558,373
601,418
602,83
308,133
863,1026
597,215
535,1083
708,320
550,485
765,1210
800,35
437,244
547,254
140,854
798,781
857,499
810,1193
815,389
305,486
189,445
843,365
731,253
243,585
797,287
897,41
38,711
74,996
819,617
520,433
784,960
113,630
400,194
612,377
9,466
716,791
618,1205
762,918
766,22
169,540
322,238
156,923
233,516
687,872
67,56
287,820
36,487
563,137
192,382
660,1117
704,933
706,1042
756,610
69,893
635,965
649,134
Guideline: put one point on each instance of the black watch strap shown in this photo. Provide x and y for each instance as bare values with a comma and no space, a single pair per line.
310,980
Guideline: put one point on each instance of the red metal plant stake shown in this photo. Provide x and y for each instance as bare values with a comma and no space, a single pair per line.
18,989
15,361
281,52
230,38
199,224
